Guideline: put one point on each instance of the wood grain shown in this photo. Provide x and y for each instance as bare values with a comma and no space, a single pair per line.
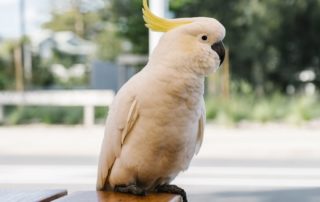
99,196
31,195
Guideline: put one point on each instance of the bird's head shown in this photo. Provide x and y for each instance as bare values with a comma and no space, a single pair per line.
194,43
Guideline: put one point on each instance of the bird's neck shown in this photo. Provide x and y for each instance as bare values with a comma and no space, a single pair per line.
179,83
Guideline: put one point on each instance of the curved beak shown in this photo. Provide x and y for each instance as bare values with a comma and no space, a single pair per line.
219,48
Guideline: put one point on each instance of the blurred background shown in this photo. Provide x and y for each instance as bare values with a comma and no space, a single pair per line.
62,61
272,72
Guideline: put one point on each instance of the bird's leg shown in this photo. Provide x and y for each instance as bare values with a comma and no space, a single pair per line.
131,189
172,189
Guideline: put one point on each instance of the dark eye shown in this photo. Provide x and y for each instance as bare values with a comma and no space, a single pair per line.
204,37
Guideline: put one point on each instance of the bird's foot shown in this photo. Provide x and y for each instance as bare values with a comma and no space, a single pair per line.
131,189
172,189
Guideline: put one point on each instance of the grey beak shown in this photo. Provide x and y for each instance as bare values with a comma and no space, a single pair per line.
219,48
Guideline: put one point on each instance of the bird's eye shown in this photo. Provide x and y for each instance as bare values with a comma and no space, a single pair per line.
204,37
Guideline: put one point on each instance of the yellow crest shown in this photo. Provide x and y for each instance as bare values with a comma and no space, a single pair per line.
159,24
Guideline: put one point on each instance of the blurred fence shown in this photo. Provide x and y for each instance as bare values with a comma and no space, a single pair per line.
88,99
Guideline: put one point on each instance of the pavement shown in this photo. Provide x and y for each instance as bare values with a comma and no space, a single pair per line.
248,164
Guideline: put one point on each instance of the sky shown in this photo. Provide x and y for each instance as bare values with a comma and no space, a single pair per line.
36,12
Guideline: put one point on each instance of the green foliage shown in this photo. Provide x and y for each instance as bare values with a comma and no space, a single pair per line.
6,74
50,115
304,108
58,115
6,65
278,107
42,77
83,24
101,114
127,15
95,25
270,42
65,59
109,44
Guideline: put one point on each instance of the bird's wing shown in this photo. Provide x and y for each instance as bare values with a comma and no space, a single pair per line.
121,119
202,122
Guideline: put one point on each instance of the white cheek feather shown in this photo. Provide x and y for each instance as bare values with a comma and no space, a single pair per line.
216,63
207,61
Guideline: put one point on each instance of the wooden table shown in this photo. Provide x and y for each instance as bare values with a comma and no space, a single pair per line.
95,196
31,195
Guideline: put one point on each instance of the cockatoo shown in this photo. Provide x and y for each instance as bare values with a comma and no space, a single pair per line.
156,122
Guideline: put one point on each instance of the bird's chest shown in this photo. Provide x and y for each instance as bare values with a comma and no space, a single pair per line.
173,121
178,121
183,104
173,105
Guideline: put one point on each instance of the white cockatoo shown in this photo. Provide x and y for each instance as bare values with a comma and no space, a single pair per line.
156,122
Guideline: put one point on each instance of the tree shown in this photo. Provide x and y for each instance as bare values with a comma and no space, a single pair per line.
298,40
270,42
7,71
91,24
127,15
